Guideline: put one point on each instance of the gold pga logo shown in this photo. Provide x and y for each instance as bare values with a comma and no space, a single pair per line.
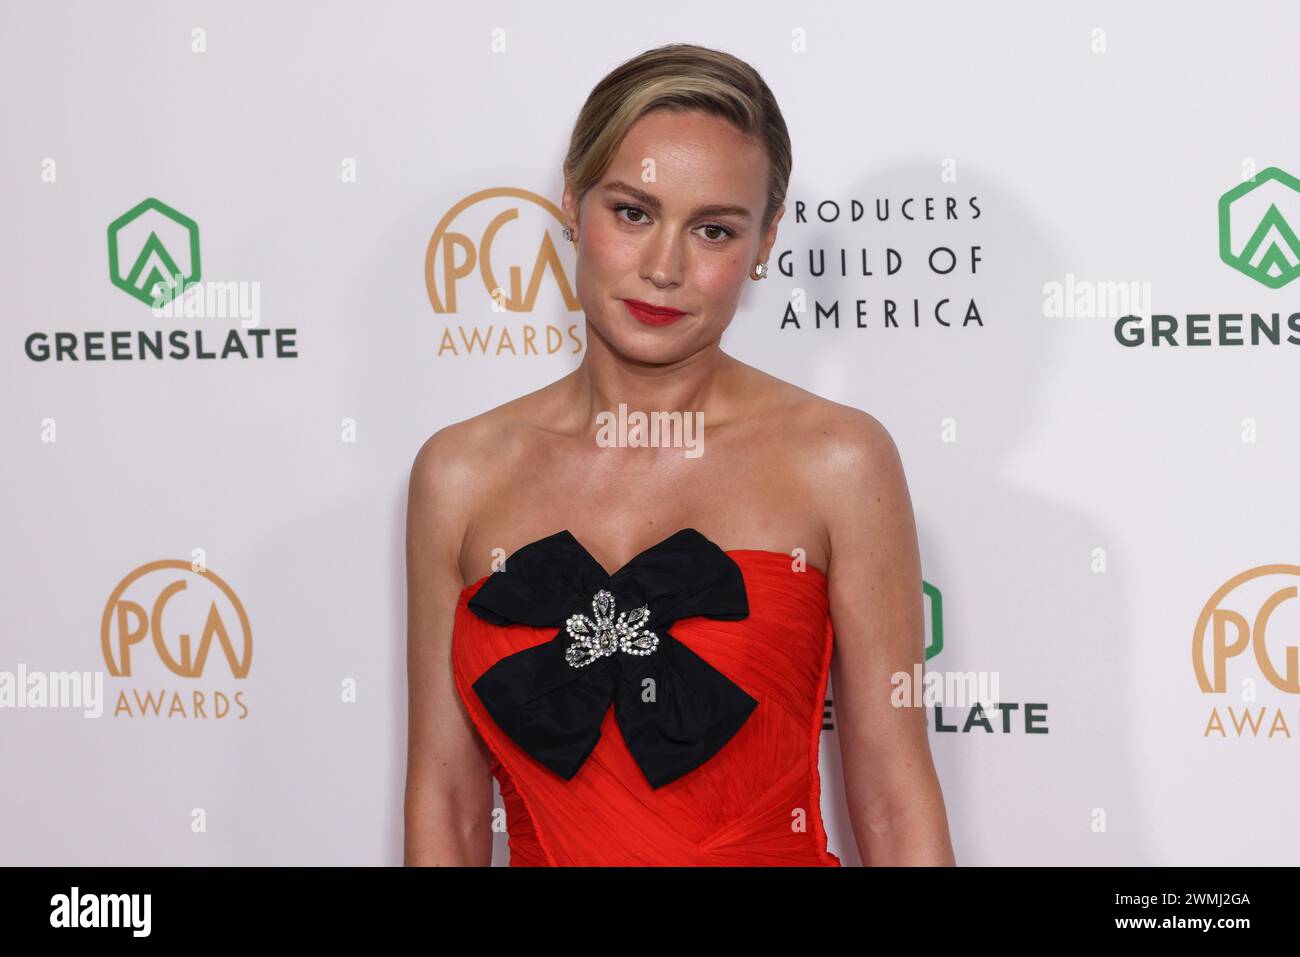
1246,615
488,241
168,602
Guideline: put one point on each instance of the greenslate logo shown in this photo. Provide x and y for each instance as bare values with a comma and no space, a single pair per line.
934,619
1255,237
161,246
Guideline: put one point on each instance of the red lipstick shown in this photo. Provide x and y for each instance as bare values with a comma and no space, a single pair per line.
651,314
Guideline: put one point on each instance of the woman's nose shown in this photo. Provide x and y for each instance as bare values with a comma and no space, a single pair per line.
663,261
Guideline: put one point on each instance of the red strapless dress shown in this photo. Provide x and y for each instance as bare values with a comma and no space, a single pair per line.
736,779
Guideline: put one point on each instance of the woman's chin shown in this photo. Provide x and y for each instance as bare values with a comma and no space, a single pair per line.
638,346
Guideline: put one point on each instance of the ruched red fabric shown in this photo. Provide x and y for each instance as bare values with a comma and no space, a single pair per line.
756,803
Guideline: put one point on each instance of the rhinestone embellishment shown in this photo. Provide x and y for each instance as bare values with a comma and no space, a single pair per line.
607,634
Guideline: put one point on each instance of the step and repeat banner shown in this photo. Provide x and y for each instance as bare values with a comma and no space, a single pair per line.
1054,250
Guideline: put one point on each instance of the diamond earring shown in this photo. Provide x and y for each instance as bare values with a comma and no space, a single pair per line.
568,234
760,271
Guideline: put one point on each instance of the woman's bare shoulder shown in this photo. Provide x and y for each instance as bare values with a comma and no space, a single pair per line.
489,441
463,463
855,481
814,424
843,458
842,432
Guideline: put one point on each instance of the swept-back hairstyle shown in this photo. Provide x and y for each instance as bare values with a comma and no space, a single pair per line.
679,76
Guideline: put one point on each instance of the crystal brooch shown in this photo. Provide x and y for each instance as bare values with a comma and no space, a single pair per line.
607,634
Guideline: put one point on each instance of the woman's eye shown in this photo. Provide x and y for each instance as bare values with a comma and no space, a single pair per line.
636,215
631,210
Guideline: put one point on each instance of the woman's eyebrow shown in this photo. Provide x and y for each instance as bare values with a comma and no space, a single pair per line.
651,201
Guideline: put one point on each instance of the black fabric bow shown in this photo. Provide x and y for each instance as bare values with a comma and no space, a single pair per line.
553,710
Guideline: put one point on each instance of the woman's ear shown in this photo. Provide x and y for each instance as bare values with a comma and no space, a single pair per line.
570,206
769,237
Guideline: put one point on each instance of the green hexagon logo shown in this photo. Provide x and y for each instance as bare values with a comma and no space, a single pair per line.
933,619
1255,237
162,247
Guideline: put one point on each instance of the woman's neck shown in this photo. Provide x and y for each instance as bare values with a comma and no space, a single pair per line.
604,380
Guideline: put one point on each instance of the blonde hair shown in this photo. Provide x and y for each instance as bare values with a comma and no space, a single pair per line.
680,77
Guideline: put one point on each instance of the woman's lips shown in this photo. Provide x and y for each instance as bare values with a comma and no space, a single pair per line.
652,315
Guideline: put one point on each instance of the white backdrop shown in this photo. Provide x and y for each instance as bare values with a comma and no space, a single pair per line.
1079,501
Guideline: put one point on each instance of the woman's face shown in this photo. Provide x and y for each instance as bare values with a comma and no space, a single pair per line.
674,223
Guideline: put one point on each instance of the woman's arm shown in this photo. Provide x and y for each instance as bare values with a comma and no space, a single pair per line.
893,792
448,773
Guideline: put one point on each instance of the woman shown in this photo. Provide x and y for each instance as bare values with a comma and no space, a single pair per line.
710,643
